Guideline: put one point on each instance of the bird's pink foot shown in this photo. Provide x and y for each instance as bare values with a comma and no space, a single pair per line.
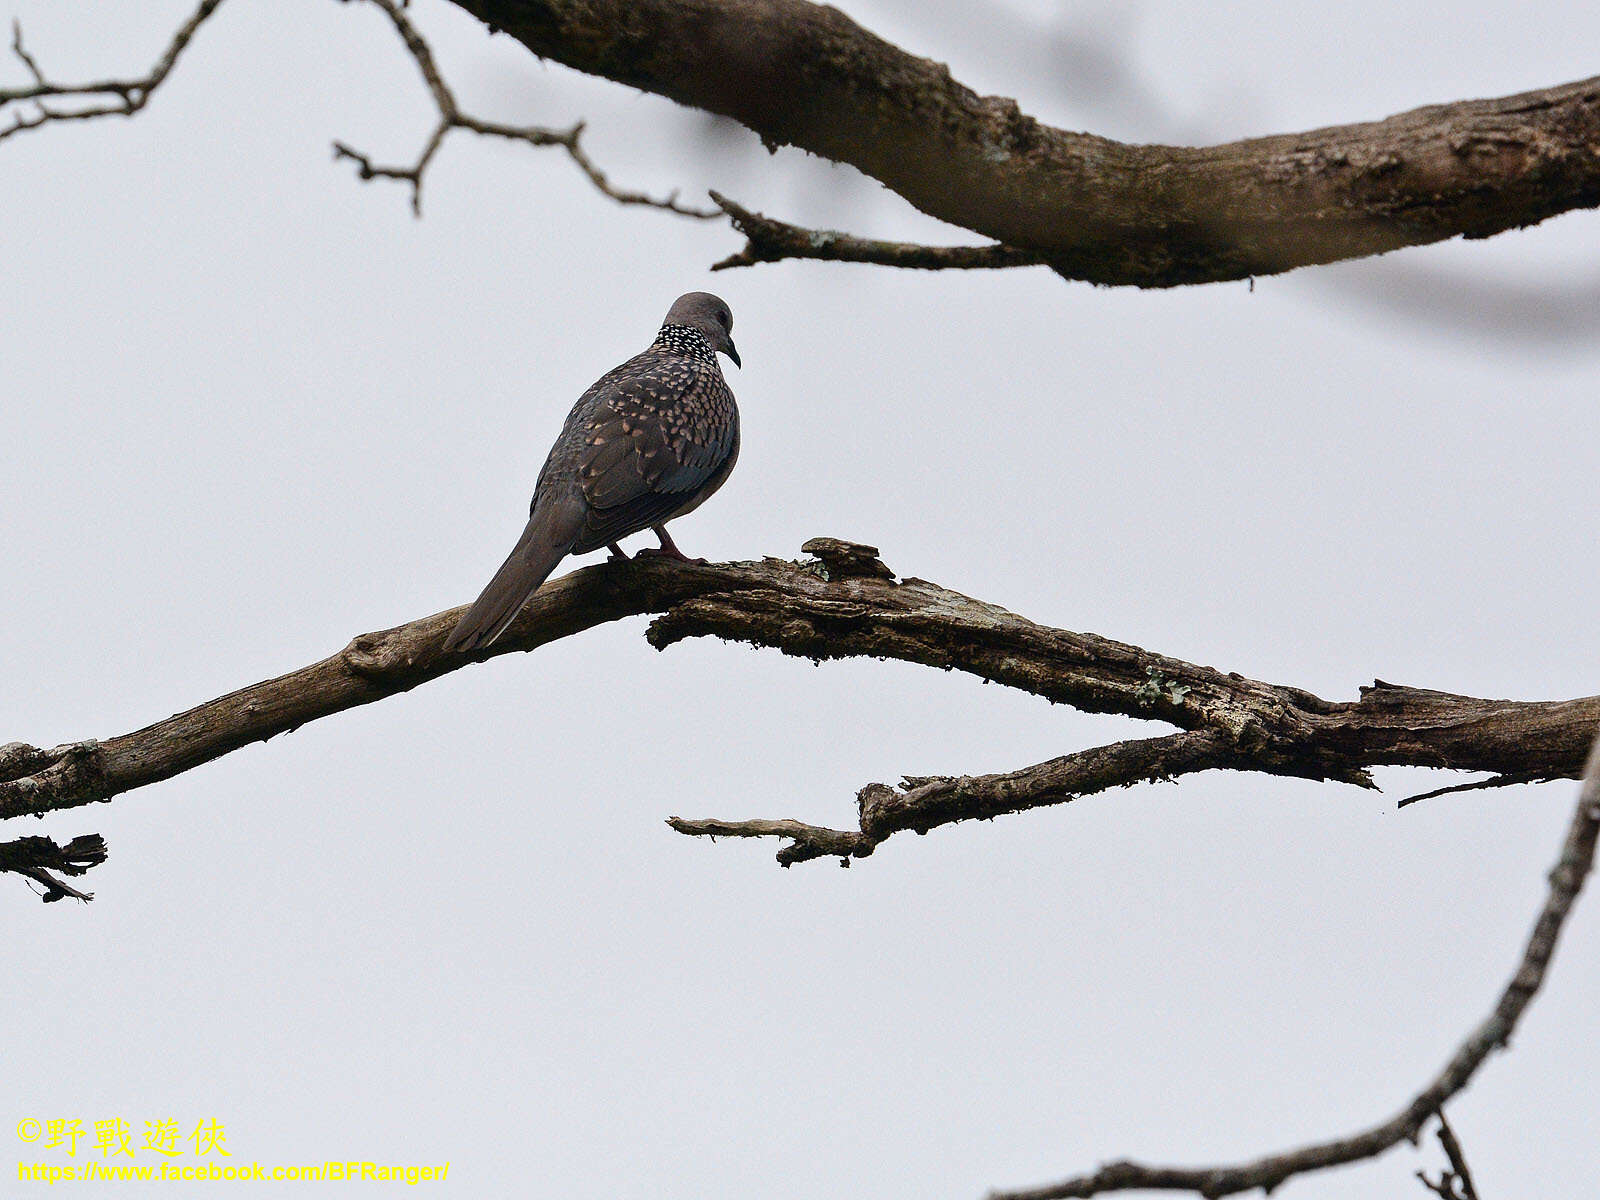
667,549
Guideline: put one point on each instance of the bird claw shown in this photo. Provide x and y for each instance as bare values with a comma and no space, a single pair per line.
672,555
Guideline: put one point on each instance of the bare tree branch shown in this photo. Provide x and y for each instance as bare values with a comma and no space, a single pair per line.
1109,212
451,117
1088,207
1458,1159
925,802
770,240
805,841
108,97
1477,785
1566,881
21,52
845,604
36,857
1455,1183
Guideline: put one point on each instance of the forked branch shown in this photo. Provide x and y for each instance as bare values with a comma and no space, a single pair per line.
28,106
1455,1183
1090,208
846,603
33,105
451,118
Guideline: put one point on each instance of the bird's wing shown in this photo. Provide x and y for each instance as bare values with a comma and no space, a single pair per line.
650,441
578,420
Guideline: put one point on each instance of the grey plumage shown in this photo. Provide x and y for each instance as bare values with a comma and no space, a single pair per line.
647,443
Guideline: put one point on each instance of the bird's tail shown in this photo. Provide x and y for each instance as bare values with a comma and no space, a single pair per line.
545,541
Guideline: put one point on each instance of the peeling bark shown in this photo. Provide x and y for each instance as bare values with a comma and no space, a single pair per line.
846,603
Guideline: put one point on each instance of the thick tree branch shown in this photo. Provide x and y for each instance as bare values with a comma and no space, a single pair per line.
1566,881
451,118
1153,216
104,98
1090,208
845,604
1241,724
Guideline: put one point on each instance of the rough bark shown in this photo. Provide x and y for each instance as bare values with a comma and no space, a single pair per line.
1090,208
845,604
1154,216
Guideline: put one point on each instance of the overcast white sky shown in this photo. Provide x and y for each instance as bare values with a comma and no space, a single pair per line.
252,408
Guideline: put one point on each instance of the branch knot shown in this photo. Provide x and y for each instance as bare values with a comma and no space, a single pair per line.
846,560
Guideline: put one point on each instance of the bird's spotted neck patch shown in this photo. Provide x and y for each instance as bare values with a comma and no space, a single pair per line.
685,341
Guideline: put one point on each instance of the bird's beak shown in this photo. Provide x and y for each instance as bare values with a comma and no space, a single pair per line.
732,353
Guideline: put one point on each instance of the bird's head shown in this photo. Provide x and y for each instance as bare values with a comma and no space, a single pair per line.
708,314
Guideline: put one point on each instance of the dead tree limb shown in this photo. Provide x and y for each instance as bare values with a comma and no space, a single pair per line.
924,802
846,604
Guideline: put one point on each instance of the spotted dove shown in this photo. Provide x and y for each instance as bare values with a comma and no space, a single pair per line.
647,443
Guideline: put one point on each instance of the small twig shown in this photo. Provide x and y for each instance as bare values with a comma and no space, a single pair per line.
36,857
1455,1182
1494,781
118,97
27,59
452,118
598,177
1458,1160
771,240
